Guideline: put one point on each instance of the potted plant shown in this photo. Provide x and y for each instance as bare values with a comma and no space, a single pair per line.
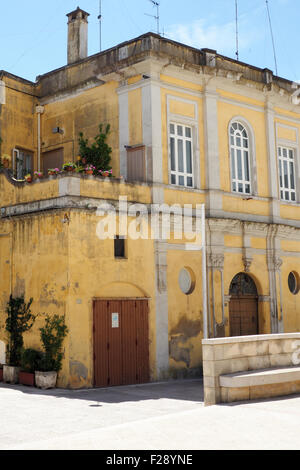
29,362
105,173
53,171
38,175
70,166
52,336
19,319
5,160
28,178
97,153
89,169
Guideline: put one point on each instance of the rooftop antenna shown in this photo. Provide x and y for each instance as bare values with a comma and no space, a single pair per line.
273,42
100,23
237,30
156,17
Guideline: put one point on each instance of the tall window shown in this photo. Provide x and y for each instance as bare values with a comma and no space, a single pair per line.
181,155
240,166
23,163
287,182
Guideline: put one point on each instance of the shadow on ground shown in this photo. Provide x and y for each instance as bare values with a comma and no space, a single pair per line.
183,390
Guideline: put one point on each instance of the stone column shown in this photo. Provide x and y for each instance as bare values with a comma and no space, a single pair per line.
274,266
272,162
216,283
214,198
162,321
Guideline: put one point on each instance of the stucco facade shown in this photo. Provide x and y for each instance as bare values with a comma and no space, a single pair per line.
48,243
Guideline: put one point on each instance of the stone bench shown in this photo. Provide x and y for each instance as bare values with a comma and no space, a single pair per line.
263,383
250,367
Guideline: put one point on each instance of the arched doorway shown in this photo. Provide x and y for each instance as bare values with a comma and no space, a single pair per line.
243,306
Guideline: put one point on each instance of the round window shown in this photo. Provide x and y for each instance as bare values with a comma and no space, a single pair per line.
186,281
293,282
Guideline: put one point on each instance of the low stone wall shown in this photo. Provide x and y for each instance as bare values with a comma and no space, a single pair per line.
238,354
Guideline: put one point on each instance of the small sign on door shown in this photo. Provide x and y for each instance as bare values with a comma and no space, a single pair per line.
115,320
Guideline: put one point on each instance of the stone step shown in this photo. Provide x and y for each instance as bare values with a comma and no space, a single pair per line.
252,378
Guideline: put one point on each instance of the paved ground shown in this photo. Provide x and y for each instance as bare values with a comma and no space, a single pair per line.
153,416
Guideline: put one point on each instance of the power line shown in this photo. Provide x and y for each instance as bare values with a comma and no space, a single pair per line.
272,36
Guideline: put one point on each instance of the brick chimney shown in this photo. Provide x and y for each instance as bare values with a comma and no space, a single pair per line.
77,35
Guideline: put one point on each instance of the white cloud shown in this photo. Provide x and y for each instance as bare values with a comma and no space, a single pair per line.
221,37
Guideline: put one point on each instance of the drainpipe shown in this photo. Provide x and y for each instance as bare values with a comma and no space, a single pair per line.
204,275
39,110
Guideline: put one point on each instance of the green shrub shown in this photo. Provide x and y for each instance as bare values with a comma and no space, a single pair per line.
98,153
52,336
19,319
30,360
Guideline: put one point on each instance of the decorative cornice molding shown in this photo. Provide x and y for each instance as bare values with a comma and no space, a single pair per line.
216,261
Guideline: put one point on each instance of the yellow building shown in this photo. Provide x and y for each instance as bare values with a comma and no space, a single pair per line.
188,127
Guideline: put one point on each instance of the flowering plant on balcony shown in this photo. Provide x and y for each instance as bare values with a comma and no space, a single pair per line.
105,173
53,171
70,166
5,160
89,169
38,174
28,178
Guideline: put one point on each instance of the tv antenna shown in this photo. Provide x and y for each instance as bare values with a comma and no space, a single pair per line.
100,23
237,30
156,17
272,36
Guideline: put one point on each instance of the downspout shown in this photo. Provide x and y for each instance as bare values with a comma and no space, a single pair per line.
39,110
204,275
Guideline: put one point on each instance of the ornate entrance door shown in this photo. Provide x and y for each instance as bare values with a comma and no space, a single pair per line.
243,307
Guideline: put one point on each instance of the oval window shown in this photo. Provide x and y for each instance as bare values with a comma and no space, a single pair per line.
293,282
186,281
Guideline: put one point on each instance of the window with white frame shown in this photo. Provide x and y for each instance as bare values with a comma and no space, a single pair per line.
287,180
181,155
240,154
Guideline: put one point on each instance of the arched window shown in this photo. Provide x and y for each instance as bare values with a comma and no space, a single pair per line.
240,159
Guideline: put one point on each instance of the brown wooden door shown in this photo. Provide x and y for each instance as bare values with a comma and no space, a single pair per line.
243,316
121,345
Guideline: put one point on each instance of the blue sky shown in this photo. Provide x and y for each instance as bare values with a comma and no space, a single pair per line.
33,33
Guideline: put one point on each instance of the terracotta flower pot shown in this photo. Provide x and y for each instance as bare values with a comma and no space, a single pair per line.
45,380
89,172
26,378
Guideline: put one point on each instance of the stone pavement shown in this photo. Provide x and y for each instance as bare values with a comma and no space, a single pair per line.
143,417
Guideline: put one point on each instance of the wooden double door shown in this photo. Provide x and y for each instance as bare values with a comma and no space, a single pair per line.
243,314
243,306
121,342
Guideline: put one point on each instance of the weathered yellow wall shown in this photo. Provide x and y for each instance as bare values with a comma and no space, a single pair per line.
37,251
95,273
82,112
18,128
135,117
185,315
